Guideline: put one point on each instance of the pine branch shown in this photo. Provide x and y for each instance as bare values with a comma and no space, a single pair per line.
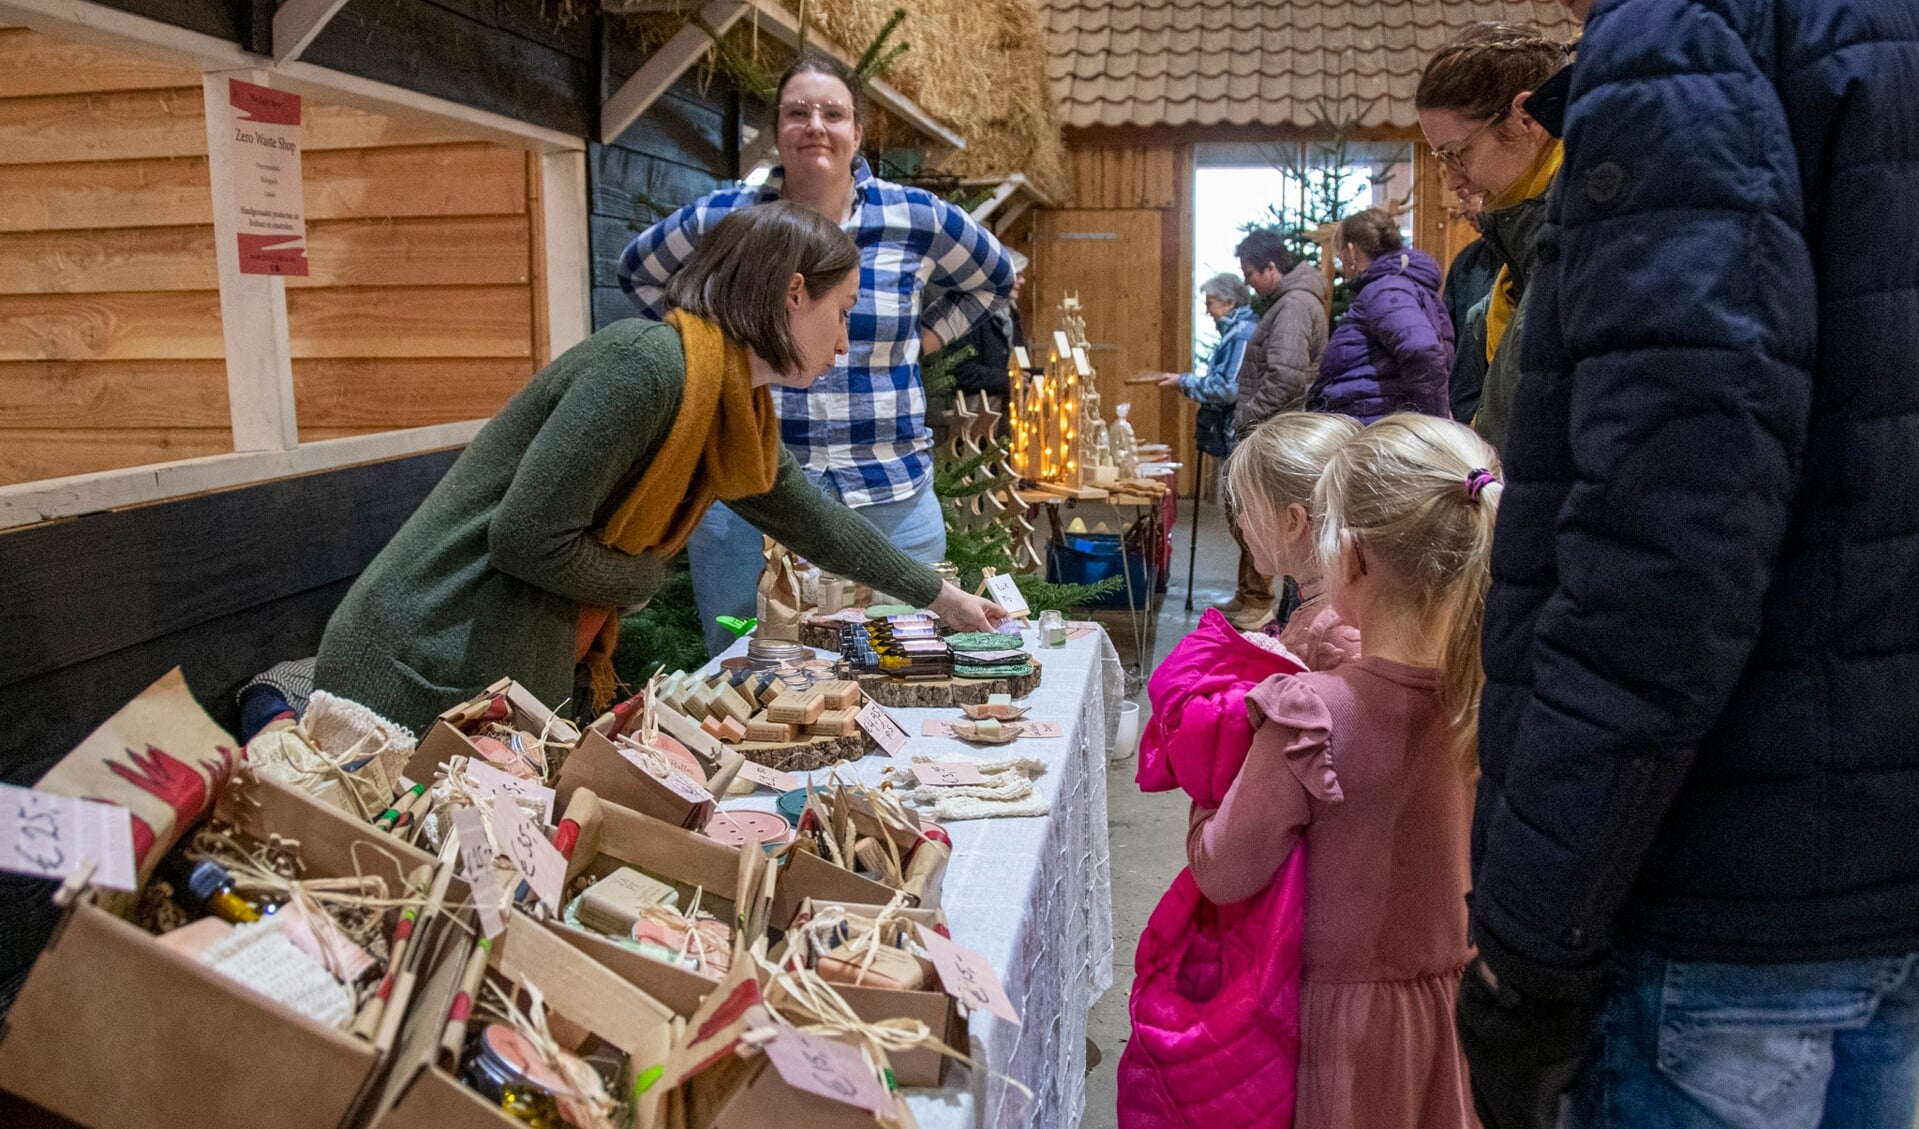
876,58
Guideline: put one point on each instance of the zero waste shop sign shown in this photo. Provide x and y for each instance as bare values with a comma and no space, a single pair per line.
272,222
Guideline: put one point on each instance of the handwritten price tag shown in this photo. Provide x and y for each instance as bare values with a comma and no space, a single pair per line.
948,774
881,725
768,777
476,859
1006,594
968,976
491,780
832,1070
47,836
935,727
543,867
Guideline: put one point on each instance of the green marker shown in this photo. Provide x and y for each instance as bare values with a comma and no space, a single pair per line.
391,816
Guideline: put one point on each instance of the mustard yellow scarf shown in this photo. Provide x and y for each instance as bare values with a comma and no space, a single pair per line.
1533,182
724,444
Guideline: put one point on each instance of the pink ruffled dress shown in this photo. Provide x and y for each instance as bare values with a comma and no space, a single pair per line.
1358,762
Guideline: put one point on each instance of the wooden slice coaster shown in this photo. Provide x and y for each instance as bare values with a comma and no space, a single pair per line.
944,693
805,756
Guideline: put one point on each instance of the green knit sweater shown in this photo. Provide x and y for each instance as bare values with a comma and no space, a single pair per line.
488,576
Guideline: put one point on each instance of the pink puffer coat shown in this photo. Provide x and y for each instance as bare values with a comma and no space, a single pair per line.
1215,1000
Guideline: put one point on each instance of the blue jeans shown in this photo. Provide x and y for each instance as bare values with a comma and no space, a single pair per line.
1685,1045
725,553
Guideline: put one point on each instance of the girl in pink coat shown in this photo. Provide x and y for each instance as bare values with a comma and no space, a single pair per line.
1215,1001
1366,770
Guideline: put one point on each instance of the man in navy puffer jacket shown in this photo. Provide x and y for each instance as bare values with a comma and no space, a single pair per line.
1697,840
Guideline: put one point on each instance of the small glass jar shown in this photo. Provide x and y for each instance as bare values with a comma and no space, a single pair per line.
1052,629
504,1070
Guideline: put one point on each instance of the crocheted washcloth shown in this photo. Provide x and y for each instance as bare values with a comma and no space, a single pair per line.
1007,793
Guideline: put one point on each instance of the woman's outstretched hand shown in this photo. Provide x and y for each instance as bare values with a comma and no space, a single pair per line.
967,611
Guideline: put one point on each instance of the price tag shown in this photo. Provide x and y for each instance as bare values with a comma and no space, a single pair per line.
543,867
476,859
494,782
1006,594
881,725
935,727
968,976
1076,630
768,777
948,774
832,1070
47,836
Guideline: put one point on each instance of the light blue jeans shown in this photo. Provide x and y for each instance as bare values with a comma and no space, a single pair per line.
1692,1045
725,553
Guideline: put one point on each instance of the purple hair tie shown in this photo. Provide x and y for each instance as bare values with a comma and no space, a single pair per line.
1476,481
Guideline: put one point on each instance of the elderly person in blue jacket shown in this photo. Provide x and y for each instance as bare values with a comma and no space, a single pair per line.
1393,351
1229,304
1696,848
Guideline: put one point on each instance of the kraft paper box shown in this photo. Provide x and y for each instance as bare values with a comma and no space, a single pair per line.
581,998
445,739
732,885
115,1029
933,1007
596,763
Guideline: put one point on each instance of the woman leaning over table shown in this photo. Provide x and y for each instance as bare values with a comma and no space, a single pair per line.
1474,100
563,510
928,273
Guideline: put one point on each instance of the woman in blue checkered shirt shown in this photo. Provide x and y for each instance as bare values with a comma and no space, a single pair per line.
928,273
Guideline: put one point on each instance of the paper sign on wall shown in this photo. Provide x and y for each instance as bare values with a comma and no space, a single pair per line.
881,725
543,867
267,192
832,1070
1006,594
47,836
476,860
968,976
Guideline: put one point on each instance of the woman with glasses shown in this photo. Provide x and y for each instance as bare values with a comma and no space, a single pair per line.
1472,101
928,273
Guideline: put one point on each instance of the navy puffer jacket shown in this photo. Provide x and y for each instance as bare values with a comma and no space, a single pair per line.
1393,351
1701,726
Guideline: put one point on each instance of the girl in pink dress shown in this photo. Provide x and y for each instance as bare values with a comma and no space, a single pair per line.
1367,766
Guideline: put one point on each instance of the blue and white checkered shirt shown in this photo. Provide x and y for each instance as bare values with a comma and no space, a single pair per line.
863,424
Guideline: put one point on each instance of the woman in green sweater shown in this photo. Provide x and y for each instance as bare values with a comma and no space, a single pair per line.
564,509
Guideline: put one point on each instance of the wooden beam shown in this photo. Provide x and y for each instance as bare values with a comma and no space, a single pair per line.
1093,137
32,502
298,23
253,308
664,66
568,251
1022,193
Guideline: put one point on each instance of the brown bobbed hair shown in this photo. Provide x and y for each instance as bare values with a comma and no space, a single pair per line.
815,63
1372,231
1266,249
738,277
1482,69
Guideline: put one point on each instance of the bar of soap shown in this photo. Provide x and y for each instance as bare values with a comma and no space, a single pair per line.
711,724
732,730
889,968
840,694
791,709
835,723
987,728
769,732
732,706
999,699
613,904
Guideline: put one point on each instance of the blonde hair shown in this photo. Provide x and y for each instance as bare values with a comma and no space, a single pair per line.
1419,495
1277,464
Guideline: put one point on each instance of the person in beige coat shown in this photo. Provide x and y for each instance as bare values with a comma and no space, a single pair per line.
1282,361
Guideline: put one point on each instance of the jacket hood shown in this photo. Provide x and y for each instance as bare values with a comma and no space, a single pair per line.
1303,276
1410,262
1198,734
1241,315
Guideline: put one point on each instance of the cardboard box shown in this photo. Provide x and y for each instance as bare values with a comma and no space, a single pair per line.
115,1029
596,763
933,1007
733,885
445,740
420,1093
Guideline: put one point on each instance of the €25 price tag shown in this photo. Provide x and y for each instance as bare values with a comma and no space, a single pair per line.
476,859
543,867
881,725
767,777
830,1069
948,774
1006,594
968,976
48,836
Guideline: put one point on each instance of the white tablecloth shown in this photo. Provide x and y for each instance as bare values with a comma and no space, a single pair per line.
1034,896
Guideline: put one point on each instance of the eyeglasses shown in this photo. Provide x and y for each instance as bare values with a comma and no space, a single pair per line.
831,114
1454,156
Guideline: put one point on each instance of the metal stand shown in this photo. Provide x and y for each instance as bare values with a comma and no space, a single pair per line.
1192,549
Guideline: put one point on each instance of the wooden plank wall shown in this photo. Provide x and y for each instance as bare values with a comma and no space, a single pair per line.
110,347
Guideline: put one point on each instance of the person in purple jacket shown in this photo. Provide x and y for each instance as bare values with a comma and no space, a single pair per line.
1393,351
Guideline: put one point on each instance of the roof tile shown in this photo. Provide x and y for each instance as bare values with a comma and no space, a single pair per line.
1264,62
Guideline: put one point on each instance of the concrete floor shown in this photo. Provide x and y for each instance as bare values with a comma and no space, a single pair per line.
1149,830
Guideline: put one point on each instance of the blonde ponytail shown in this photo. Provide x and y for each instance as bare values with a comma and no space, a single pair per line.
1420,496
